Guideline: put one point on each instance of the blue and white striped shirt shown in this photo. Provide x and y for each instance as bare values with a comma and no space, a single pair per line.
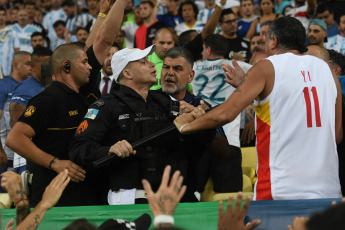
336,43
48,22
6,49
22,36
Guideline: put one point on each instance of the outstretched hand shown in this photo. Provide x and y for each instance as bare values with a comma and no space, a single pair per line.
233,218
234,75
166,199
54,190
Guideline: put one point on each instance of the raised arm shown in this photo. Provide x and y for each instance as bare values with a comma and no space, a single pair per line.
212,22
50,197
107,32
311,7
252,29
104,8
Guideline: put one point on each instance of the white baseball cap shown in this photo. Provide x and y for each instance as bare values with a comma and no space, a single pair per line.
122,57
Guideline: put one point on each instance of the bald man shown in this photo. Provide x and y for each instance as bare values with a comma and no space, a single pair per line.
43,132
164,41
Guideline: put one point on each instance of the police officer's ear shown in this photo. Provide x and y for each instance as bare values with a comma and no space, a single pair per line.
67,66
127,74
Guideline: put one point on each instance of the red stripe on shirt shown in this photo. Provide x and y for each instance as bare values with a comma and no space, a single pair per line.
263,186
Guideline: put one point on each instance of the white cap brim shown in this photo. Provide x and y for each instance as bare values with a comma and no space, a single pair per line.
122,57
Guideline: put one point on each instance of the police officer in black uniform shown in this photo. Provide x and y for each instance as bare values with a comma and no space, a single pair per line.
129,113
50,120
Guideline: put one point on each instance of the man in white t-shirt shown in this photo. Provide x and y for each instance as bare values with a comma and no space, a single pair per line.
298,117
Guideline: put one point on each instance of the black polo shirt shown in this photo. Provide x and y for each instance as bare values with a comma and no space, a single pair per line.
55,115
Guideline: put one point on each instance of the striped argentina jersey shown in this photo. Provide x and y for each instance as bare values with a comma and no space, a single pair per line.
7,86
22,36
336,43
209,84
48,21
295,130
6,49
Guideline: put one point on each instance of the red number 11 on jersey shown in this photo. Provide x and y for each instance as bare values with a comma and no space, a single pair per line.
316,105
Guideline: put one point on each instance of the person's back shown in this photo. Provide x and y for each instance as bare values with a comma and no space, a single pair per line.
299,110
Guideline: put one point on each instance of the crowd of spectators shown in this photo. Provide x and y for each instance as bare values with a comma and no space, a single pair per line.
213,31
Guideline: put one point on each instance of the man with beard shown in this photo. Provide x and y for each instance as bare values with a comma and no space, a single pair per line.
106,78
317,32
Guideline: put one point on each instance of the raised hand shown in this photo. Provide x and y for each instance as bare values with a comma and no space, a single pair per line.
166,199
54,190
233,218
235,75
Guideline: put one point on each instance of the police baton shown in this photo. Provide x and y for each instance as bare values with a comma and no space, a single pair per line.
108,159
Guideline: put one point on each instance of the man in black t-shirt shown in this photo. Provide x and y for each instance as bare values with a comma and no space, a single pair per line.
239,48
45,129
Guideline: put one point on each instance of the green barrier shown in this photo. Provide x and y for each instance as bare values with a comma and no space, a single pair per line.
201,216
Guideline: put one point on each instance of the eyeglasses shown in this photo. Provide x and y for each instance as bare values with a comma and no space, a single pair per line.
231,21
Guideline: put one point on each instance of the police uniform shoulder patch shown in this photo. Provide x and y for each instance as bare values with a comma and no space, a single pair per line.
82,127
29,111
91,114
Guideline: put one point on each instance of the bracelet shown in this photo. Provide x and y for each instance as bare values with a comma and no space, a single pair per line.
163,219
51,162
102,15
183,127
19,200
220,5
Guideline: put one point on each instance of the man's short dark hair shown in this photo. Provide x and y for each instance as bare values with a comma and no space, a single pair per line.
58,23
2,9
148,2
218,44
41,52
176,52
81,223
289,32
337,60
81,28
36,34
68,3
226,12
323,7
30,3
195,8
117,45
186,36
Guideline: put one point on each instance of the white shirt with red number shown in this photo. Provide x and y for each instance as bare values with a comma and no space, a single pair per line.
295,129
